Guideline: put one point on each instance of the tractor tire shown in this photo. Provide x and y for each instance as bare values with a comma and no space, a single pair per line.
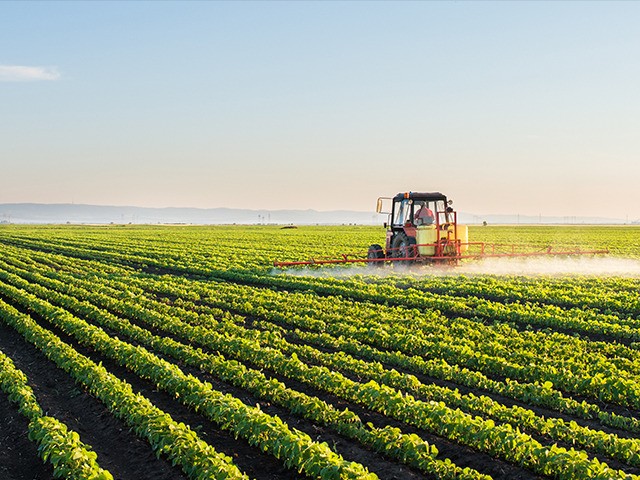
375,252
403,246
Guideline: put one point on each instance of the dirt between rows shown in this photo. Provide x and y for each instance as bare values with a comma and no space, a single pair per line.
119,450
18,455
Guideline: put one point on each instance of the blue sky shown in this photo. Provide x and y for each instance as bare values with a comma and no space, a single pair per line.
507,107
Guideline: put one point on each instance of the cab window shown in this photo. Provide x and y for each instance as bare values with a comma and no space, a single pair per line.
402,212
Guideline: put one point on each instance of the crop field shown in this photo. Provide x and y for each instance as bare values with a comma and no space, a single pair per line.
180,352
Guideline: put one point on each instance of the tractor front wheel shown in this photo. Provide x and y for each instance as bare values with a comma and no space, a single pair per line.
375,253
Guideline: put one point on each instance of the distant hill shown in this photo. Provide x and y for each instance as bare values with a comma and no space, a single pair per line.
96,214
80,214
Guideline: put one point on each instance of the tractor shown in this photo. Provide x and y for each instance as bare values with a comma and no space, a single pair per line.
421,227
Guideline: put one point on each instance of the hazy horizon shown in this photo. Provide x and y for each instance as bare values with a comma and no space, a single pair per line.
506,107
62,213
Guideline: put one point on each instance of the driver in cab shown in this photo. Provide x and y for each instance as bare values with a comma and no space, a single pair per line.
424,215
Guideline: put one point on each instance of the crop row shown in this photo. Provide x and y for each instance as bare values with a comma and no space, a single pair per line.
167,437
623,449
408,409
495,350
575,320
391,441
537,393
589,371
270,434
603,318
616,296
70,457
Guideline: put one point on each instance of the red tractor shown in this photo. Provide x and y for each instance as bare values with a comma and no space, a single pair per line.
421,227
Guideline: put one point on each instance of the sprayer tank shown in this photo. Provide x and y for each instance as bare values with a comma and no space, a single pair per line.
427,236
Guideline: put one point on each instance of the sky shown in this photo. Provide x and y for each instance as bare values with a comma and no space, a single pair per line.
506,107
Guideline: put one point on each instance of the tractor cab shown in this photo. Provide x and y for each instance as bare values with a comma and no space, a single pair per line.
417,209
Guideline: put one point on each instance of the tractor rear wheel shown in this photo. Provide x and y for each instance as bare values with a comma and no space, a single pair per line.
403,246
375,252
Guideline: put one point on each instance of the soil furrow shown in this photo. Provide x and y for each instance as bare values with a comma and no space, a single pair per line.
119,450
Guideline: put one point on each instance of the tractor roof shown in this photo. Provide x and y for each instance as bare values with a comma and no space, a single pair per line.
430,196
